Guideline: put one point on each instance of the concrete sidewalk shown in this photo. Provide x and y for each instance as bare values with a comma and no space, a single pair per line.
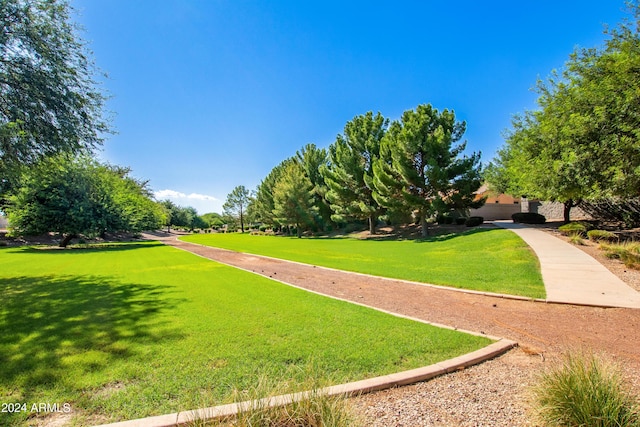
570,275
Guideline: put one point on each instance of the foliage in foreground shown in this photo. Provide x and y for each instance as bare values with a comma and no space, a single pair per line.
584,390
315,409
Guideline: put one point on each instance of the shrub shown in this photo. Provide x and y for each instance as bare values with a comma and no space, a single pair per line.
573,228
584,391
474,221
528,218
263,228
601,235
576,239
444,218
461,220
628,253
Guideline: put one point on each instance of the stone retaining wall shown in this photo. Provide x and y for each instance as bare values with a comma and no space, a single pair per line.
555,211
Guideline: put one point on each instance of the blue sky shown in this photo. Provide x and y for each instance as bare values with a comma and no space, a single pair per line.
209,94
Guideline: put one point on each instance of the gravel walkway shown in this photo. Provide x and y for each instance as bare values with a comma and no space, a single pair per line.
490,394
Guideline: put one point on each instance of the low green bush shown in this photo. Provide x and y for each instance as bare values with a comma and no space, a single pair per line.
528,218
474,221
601,235
584,390
444,219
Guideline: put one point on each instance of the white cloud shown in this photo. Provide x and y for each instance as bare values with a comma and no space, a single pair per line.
172,194
203,203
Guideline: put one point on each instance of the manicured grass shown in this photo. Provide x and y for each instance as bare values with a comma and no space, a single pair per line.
492,260
144,329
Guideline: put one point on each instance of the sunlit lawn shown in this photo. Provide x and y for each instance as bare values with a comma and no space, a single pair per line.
491,260
145,329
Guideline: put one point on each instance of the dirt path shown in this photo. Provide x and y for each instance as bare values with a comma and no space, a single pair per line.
491,394
538,327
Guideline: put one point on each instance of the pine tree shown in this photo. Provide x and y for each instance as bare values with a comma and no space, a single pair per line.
293,198
422,171
350,173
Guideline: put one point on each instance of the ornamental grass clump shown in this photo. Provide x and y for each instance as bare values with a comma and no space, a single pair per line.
573,228
627,252
601,235
585,390
312,409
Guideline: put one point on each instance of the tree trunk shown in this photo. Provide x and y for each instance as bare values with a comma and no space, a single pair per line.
567,210
241,221
298,231
372,223
66,239
424,227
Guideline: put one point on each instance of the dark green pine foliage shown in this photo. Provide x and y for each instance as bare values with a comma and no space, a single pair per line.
350,175
313,159
264,203
421,170
293,198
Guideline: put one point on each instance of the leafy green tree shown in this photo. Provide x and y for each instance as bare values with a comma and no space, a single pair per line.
80,196
236,204
213,220
583,141
293,197
49,100
422,170
349,175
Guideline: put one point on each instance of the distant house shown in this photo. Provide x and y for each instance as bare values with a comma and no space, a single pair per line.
498,206
3,222
502,206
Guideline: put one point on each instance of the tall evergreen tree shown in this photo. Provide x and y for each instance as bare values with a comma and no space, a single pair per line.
236,204
349,175
264,204
313,160
425,172
293,197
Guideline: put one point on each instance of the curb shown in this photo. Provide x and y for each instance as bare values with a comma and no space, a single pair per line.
349,389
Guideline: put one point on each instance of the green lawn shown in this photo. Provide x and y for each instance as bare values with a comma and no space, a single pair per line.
491,260
144,329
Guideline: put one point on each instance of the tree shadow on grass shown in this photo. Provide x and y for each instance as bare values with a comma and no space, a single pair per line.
49,322
93,247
